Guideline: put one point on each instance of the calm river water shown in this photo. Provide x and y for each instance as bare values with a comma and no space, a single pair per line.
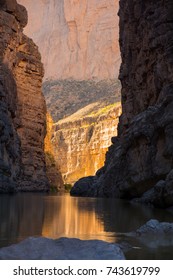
54,216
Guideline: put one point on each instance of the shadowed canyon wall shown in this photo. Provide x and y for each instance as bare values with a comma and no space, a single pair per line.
139,162
77,38
22,105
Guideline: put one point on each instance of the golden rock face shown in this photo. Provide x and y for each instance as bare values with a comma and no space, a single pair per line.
52,168
80,145
47,142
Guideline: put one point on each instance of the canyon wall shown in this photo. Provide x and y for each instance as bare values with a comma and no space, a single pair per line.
22,105
77,38
52,167
139,163
80,142
88,120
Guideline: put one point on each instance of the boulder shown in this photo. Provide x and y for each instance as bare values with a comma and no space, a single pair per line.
154,234
61,249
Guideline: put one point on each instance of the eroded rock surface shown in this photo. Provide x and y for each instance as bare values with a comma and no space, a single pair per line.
22,105
77,39
80,142
140,158
62,249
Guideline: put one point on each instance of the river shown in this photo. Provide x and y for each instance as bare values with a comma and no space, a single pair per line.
53,216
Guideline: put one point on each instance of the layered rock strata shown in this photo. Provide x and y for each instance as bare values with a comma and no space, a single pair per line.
80,142
140,158
89,119
22,113
77,39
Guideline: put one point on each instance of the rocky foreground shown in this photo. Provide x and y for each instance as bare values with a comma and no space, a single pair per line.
62,249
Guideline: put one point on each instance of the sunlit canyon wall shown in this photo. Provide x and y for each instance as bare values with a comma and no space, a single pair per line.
80,145
22,105
78,41
52,168
139,163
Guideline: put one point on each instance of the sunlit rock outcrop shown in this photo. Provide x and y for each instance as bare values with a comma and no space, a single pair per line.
22,105
81,140
77,39
139,162
89,112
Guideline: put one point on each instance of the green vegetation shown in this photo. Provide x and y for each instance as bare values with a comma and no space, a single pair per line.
5,171
68,187
50,158
104,110
53,189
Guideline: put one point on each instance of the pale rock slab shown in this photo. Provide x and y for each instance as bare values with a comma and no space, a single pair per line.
77,39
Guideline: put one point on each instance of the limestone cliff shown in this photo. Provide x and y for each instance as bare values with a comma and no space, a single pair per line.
52,168
22,105
81,140
77,38
139,162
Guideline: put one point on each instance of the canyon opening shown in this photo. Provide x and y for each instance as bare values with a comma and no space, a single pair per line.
86,128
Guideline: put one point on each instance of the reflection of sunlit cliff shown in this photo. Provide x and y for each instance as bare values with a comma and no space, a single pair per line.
69,217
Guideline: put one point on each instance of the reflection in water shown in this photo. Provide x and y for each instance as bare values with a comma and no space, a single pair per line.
25,215
21,216
64,217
